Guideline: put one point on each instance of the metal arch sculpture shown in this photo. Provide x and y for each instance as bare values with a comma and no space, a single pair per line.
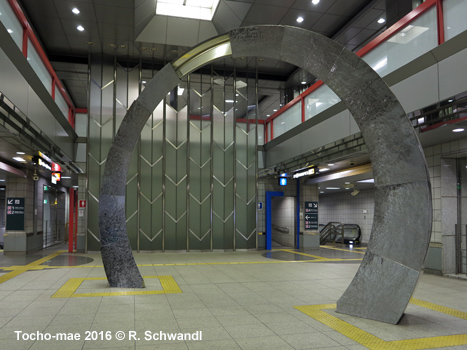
400,237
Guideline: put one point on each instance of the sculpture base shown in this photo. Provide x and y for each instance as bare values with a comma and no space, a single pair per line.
120,266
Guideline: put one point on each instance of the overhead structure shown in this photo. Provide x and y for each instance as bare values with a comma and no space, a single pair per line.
401,231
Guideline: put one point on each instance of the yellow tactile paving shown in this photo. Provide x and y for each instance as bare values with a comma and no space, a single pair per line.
374,343
169,286
17,270
344,250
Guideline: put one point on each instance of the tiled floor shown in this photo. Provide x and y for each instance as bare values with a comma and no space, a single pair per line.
239,300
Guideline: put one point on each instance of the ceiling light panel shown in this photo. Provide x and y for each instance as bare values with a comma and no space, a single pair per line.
195,9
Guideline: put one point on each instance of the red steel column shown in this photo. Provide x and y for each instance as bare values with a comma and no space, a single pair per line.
70,220
440,16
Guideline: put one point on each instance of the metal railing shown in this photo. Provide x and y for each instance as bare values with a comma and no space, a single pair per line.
331,232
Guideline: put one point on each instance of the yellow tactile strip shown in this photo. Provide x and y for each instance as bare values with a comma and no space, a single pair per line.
169,286
17,270
374,343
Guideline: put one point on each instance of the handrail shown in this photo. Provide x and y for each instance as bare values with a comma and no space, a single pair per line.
383,37
329,232
29,34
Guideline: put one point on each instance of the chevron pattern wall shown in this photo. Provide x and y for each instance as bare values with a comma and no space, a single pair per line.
192,178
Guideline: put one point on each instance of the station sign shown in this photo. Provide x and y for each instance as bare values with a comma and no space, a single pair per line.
15,214
311,216
305,172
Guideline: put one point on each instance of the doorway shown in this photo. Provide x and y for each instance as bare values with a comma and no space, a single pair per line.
54,216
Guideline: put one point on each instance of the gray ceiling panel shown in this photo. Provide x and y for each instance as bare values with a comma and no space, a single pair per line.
240,9
155,31
121,3
182,31
282,3
322,7
329,23
360,37
226,19
64,10
310,18
46,8
113,15
370,17
381,5
263,14
348,35
116,32
347,8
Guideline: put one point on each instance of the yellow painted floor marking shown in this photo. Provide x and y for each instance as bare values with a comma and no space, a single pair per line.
17,270
169,286
344,250
374,343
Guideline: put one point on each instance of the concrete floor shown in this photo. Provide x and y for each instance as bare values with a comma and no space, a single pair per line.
238,300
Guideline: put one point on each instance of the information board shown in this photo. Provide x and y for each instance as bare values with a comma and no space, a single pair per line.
311,216
15,214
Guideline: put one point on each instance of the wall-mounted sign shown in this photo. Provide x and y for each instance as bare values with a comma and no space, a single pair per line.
56,168
55,177
41,162
311,216
306,172
82,203
282,181
15,214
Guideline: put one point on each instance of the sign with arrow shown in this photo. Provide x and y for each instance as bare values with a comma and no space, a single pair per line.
311,216
15,214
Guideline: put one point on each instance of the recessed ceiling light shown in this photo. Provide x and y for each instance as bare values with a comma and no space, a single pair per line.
112,46
19,159
323,169
458,130
268,115
80,28
275,110
89,43
332,188
381,20
300,19
315,2
10,31
144,48
75,11
331,164
20,153
66,177
303,82
122,46
450,100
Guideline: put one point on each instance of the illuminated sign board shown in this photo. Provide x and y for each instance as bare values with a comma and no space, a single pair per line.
55,177
307,172
41,162
282,181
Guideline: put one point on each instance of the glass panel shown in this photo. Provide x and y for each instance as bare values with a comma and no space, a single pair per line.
11,23
288,120
454,17
61,103
39,67
414,40
319,100
260,134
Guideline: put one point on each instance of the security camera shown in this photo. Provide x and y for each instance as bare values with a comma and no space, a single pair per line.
352,162
35,177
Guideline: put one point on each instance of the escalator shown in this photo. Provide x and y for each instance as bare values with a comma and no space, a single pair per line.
338,232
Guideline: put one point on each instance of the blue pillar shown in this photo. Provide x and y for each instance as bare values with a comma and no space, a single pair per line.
269,195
